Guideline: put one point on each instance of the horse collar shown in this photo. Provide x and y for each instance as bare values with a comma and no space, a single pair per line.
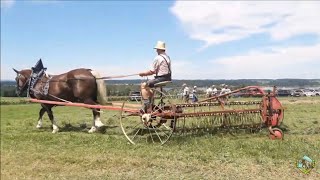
34,77
46,86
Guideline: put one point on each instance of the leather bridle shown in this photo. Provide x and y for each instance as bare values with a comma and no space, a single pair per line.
19,89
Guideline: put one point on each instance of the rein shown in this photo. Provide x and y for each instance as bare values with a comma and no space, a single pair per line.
105,77
121,76
40,80
39,92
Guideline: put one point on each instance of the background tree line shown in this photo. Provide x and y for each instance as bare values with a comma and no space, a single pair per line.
124,87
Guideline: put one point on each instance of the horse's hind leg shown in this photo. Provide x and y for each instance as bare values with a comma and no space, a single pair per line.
96,121
96,117
41,113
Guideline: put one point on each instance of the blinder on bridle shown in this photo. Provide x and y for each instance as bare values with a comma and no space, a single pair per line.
37,71
20,89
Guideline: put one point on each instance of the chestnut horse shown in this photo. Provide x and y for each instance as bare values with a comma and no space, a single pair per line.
78,85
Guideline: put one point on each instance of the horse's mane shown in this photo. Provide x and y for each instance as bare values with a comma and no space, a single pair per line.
47,75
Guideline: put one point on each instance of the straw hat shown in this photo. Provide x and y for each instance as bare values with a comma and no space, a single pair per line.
160,45
184,84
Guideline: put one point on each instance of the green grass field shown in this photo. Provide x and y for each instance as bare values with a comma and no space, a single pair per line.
30,153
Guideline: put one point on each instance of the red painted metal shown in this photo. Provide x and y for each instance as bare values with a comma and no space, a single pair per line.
277,117
83,105
202,114
277,134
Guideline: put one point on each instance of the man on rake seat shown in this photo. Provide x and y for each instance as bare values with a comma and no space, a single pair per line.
161,67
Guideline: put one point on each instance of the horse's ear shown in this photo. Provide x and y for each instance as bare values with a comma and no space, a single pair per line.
16,70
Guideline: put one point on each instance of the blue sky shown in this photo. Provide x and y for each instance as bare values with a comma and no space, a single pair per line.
205,40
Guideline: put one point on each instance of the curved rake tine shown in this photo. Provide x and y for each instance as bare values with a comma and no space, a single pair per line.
158,136
150,134
134,136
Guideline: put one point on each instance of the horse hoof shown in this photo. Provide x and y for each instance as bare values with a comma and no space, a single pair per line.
55,131
92,130
99,124
38,126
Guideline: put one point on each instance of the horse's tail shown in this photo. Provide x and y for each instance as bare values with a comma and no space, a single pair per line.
101,88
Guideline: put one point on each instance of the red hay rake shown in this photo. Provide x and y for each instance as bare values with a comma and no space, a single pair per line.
169,117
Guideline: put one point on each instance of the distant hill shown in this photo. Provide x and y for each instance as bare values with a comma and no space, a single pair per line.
235,82
8,83
123,87
209,82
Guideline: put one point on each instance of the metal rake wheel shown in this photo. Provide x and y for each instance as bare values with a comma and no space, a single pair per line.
150,127
278,134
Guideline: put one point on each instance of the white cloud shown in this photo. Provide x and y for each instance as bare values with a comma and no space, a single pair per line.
7,3
215,22
269,63
181,69
281,62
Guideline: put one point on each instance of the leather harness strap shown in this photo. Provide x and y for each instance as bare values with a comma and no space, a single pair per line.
167,65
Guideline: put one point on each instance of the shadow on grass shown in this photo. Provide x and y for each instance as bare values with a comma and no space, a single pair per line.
81,128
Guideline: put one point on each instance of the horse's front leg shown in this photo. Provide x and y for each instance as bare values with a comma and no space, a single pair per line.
53,121
41,113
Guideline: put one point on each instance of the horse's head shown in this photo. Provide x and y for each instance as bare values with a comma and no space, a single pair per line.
22,80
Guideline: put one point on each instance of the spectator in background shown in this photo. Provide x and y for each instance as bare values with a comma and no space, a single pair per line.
275,89
194,95
228,90
223,89
209,92
214,90
185,93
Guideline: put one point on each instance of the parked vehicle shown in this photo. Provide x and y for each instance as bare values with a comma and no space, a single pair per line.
285,92
135,96
308,92
297,93
315,91
303,92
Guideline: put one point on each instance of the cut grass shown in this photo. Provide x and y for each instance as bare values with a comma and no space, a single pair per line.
30,153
